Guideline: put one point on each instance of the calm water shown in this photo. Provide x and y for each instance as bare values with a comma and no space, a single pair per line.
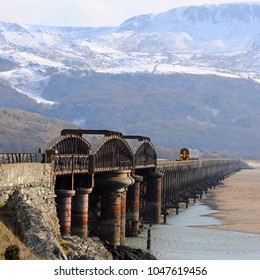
178,240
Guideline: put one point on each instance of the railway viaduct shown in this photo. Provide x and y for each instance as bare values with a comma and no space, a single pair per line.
102,183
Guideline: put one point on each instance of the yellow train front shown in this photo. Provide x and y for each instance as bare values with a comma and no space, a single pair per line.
189,154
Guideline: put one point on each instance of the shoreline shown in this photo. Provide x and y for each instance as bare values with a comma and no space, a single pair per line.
236,201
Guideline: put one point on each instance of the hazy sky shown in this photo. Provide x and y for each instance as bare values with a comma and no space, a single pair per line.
88,12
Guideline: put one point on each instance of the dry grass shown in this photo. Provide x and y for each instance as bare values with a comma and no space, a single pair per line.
7,238
22,131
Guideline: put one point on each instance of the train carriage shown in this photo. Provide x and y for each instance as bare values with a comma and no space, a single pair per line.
189,154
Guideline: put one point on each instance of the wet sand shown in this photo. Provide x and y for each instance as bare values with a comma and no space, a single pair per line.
237,200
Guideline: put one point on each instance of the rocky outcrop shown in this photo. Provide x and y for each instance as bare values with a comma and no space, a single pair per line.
126,253
77,248
34,228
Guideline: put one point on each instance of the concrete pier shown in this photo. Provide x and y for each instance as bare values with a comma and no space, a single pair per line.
112,188
154,196
123,218
79,213
133,207
64,202
110,222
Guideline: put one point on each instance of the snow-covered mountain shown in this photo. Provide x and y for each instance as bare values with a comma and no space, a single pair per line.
186,77
214,39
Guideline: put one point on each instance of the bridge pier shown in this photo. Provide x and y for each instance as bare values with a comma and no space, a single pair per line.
123,218
112,188
133,207
64,202
110,222
154,196
79,225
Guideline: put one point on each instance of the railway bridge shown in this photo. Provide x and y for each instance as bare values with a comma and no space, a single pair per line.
107,184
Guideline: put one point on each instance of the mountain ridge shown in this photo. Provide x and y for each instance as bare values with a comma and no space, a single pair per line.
41,51
248,12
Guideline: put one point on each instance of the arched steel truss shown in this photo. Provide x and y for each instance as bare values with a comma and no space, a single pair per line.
68,154
69,144
111,153
145,156
144,152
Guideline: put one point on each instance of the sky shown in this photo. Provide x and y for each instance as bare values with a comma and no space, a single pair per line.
89,12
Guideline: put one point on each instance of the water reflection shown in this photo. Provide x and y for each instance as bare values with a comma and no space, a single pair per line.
180,240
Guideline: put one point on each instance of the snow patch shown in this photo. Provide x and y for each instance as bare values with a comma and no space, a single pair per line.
27,82
195,70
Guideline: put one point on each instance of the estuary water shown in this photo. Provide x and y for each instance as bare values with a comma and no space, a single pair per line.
181,238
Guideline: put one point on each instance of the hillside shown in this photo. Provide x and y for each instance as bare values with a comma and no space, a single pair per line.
12,99
186,77
207,112
22,131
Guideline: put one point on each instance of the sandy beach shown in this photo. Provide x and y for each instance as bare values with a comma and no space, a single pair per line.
237,200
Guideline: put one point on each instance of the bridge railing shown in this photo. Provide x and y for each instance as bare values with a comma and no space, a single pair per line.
195,163
67,164
7,158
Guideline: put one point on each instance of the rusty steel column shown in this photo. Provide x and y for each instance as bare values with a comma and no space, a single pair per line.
154,196
133,207
123,218
112,221
63,201
79,214
110,226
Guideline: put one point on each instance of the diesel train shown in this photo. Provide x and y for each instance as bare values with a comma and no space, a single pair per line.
189,154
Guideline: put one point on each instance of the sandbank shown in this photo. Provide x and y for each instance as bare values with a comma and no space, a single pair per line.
237,201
